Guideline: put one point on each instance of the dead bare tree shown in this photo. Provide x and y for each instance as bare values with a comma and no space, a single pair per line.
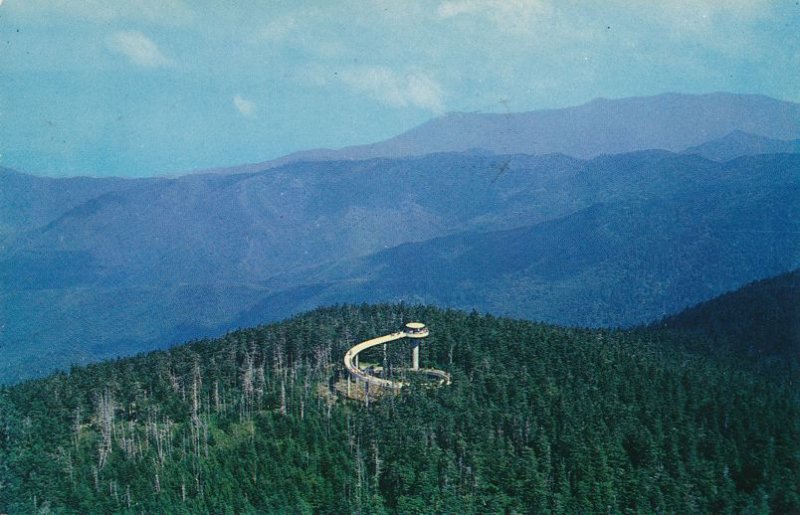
105,419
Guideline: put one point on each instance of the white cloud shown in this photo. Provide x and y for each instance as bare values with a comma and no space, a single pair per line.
683,10
516,15
279,29
424,92
246,107
455,8
328,49
707,23
137,47
313,74
303,31
396,90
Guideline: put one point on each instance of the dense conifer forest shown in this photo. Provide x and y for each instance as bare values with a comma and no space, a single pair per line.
538,418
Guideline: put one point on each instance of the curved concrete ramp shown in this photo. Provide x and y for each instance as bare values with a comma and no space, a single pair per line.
412,330
359,374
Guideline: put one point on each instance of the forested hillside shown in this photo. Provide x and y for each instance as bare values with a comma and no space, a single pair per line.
760,320
538,418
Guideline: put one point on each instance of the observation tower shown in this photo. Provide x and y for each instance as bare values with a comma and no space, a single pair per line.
414,330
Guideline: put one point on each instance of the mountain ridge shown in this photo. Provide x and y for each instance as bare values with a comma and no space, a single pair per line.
159,260
739,143
669,121
616,240
585,269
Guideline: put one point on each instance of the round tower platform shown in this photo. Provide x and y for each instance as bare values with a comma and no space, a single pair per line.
416,330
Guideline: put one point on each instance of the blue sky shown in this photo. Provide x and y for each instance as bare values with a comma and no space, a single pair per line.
126,88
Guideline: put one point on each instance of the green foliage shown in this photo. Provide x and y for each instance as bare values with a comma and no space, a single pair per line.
538,418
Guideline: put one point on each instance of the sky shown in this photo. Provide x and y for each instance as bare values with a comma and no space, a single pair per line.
154,87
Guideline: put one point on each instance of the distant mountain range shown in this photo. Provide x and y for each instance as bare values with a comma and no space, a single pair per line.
660,232
738,144
95,268
669,121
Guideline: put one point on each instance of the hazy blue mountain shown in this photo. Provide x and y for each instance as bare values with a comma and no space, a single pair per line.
738,143
610,264
761,318
171,259
28,201
603,126
615,240
250,227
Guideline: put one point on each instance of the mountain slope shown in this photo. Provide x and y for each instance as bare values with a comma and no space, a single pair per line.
761,318
615,240
538,418
250,227
173,259
607,265
669,121
27,201
738,144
